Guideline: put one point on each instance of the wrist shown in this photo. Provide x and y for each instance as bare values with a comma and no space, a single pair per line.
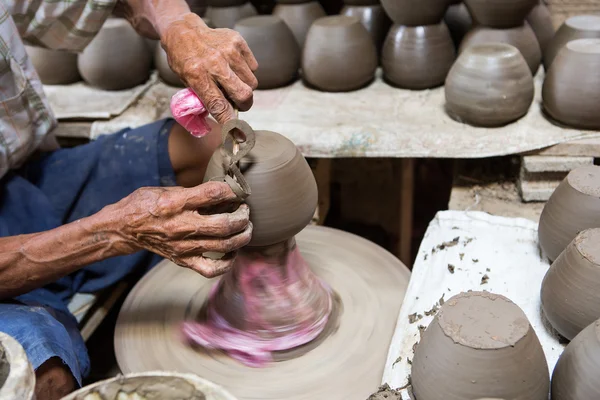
107,226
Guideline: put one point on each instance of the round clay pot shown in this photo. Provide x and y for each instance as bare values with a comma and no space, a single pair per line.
116,59
416,12
332,45
500,13
575,376
274,47
571,91
373,18
579,27
573,207
299,17
54,67
480,344
522,37
540,20
418,57
225,3
164,71
570,296
284,191
459,22
489,85
226,17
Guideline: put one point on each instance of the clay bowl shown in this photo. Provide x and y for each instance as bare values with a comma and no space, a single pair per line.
418,57
500,13
578,27
226,17
54,67
164,71
225,3
274,47
415,12
332,45
116,59
459,21
576,373
299,17
522,37
373,18
479,345
489,85
284,191
540,20
570,296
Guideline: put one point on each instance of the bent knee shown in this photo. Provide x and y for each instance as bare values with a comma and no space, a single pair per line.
54,380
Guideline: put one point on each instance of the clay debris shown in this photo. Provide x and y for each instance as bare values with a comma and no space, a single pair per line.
385,393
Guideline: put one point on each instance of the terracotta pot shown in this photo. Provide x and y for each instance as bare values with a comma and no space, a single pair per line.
500,13
573,207
274,47
225,3
540,20
54,67
489,85
374,19
164,71
522,37
299,17
480,344
116,59
576,373
579,27
332,45
418,57
459,22
416,12
570,296
226,17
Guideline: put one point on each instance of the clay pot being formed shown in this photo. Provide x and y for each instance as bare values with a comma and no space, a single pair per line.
459,22
418,57
116,59
570,296
299,17
274,47
489,85
226,17
415,12
522,37
373,18
573,207
480,344
575,376
578,27
284,191
333,44
571,91
500,13
540,20
54,67
164,71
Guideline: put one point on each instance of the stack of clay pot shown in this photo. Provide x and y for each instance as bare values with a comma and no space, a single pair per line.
225,13
372,16
418,51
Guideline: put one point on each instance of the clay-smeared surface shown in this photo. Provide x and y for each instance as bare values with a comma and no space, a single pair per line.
299,17
578,27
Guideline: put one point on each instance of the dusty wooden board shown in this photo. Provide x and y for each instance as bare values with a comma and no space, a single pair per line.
563,9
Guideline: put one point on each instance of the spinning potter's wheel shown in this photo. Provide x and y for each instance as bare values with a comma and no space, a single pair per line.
346,362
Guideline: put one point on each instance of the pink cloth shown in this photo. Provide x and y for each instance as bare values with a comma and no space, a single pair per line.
189,111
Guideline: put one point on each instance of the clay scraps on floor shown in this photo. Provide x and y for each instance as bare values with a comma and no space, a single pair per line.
385,393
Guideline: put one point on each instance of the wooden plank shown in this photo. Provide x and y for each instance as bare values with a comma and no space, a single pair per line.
576,148
563,9
73,130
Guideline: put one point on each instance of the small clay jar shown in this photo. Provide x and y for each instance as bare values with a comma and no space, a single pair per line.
500,13
299,17
226,17
418,57
416,12
573,207
575,376
540,20
459,22
522,37
578,27
479,345
164,70
54,67
571,91
339,54
284,191
570,296
373,18
274,47
489,85
116,59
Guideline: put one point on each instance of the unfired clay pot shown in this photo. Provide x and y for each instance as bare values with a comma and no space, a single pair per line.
418,57
500,13
284,191
339,54
226,17
54,67
489,85
164,71
373,18
570,295
274,47
416,12
579,27
573,207
299,17
540,20
480,344
116,59
522,37
459,21
575,376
